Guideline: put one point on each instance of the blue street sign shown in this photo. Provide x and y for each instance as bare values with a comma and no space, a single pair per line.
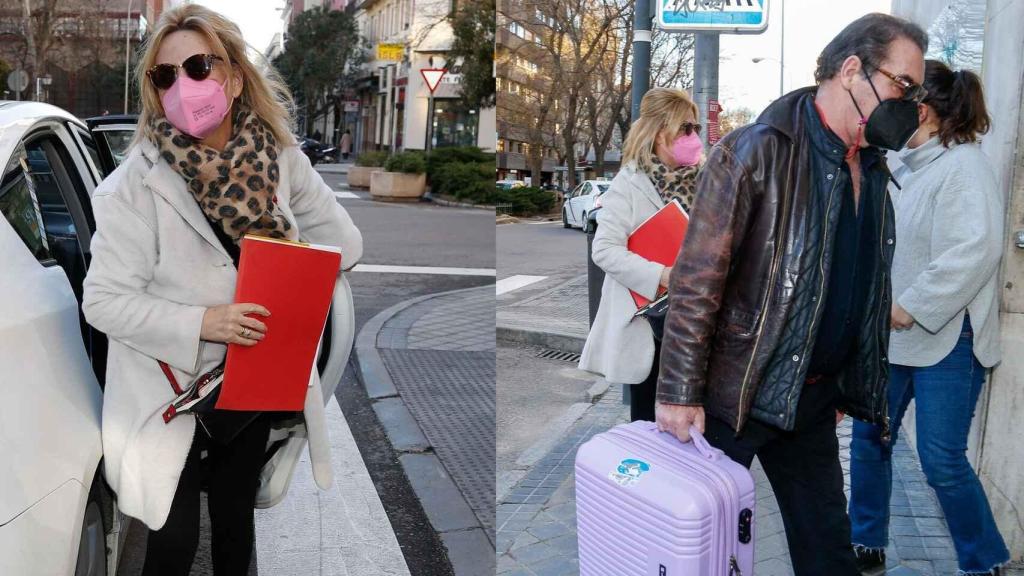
735,16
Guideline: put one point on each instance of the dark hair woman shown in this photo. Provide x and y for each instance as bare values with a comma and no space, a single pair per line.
945,322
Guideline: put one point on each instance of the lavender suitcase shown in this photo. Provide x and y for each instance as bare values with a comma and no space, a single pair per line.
648,504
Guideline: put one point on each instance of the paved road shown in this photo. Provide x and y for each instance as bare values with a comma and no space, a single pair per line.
396,235
544,250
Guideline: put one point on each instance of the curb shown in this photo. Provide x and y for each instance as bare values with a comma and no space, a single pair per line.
442,202
457,525
333,168
560,342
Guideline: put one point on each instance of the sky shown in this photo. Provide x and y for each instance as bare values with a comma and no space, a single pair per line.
258,19
810,25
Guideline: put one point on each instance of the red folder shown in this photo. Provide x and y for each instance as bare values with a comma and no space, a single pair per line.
659,239
295,282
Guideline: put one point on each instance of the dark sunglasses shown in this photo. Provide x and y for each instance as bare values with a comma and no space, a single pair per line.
690,128
911,90
197,66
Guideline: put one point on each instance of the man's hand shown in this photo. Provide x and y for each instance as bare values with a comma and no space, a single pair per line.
676,418
901,320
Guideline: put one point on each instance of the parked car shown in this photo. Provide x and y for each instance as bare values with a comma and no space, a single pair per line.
581,203
318,151
509,184
57,515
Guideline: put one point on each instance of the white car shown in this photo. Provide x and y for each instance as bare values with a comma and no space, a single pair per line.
509,184
57,515
581,202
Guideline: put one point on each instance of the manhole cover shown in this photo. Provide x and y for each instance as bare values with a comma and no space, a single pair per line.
559,355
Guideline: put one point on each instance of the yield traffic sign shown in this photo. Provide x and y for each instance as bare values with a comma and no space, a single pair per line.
433,76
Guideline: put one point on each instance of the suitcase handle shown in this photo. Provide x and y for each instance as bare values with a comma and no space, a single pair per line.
703,447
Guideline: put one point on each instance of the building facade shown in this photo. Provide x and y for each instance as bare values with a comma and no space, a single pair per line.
81,51
396,110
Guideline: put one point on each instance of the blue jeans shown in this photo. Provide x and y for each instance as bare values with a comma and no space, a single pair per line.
946,394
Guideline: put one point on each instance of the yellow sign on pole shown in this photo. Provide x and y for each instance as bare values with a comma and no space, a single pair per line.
390,52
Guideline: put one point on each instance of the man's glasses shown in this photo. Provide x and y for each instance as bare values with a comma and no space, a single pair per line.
911,90
197,67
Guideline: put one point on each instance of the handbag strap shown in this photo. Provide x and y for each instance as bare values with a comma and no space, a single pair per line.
171,412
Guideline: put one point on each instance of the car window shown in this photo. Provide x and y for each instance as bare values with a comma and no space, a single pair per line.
601,188
91,150
20,207
117,141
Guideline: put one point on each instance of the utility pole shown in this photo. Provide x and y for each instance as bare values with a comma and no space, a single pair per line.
705,75
641,55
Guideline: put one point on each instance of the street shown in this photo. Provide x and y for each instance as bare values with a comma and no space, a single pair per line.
417,239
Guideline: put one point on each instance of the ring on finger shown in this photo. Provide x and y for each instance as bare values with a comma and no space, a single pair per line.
245,333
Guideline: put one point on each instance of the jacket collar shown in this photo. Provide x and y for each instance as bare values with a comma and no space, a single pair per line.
170,186
923,155
640,180
789,115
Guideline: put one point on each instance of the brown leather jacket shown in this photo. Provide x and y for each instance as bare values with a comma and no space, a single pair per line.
733,287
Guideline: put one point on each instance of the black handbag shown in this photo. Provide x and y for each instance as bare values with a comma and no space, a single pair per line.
200,400
655,313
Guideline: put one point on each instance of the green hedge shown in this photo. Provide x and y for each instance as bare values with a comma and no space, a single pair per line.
525,201
406,162
372,159
463,172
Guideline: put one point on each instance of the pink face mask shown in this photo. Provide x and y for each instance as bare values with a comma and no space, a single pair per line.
686,149
196,107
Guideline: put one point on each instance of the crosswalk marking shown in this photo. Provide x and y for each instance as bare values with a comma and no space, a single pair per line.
438,270
344,195
506,285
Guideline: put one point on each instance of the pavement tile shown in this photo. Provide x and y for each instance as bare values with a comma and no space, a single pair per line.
441,499
470,552
533,553
557,566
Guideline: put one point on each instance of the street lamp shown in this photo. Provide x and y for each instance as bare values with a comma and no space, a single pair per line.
127,50
782,49
782,68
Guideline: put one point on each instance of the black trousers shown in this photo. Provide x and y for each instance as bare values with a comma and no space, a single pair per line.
804,471
642,396
232,476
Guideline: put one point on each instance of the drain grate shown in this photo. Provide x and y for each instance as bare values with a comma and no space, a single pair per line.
559,355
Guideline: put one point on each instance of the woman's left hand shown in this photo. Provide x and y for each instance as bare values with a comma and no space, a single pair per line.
901,320
664,277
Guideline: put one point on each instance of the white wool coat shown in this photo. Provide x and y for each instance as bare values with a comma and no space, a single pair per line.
156,267
619,346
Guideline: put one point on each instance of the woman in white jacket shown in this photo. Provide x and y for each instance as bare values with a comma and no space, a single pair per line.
660,162
213,159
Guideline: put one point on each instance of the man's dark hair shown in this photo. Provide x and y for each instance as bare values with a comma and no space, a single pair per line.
868,38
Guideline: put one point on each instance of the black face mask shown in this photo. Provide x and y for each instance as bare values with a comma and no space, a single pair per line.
893,122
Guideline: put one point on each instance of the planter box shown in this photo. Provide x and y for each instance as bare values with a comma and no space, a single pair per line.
359,176
397,187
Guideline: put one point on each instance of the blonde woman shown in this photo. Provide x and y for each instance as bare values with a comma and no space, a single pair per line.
213,159
660,162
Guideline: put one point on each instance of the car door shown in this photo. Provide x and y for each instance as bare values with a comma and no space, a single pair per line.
113,135
50,399
577,203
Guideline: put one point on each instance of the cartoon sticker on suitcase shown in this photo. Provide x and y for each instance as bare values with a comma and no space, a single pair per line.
629,471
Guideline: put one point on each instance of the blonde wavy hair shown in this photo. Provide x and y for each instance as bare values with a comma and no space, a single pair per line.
265,93
662,109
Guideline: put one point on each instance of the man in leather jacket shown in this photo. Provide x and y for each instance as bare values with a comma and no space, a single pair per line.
780,299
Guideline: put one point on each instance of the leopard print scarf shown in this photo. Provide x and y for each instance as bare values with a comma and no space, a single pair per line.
679,184
234,187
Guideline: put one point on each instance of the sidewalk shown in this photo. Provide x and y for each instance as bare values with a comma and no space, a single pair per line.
536,519
557,318
338,168
428,366
336,532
